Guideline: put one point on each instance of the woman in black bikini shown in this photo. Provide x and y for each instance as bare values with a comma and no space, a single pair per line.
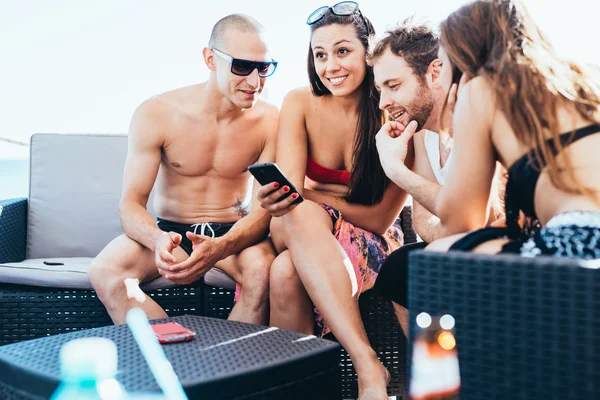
521,104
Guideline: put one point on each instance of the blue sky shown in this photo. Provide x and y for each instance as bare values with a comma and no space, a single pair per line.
83,66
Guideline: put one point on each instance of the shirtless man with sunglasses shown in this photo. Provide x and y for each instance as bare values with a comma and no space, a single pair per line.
194,145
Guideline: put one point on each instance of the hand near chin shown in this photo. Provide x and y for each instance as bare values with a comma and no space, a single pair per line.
393,140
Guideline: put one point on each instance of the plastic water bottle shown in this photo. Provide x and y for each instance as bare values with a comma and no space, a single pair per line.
88,368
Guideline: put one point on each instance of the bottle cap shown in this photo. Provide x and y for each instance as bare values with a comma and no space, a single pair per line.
88,358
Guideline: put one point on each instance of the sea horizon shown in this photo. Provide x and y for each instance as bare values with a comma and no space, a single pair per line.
14,178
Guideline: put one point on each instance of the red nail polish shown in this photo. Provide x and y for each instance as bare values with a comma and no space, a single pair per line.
276,185
286,188
294,195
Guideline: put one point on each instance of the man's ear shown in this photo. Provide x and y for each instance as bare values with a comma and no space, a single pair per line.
434,70
209,58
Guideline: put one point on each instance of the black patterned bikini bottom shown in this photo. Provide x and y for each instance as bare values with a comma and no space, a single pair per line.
570,234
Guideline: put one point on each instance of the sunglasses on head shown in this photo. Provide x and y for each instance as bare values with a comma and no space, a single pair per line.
342,9
246,67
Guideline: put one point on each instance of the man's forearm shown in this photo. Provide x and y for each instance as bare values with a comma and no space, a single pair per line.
428,229
421,189
139,225
246,232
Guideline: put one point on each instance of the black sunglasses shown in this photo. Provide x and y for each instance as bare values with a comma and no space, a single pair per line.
246,67
342,9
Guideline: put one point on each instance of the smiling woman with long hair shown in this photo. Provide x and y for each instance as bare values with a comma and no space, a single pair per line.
332,245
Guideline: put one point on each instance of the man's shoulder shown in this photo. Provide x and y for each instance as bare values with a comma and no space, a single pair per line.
175,97
264,116
151,110
421,137
163,106
266,110
158,105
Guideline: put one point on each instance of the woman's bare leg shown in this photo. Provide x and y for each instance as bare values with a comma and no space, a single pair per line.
291,308
321,264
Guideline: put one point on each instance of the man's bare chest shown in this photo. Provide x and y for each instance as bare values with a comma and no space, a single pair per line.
202,151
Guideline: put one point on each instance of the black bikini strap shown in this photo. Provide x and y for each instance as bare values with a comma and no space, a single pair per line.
572,137
565,139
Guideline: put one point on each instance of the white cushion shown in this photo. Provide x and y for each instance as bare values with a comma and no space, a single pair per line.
217,278
72,275
74,193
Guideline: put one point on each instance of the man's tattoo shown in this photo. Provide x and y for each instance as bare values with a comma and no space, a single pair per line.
240,208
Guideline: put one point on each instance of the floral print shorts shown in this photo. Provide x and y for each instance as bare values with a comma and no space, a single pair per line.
366,251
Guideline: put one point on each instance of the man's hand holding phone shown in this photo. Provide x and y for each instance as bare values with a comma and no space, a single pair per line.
269,196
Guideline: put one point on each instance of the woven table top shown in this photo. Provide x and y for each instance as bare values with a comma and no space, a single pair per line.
227,357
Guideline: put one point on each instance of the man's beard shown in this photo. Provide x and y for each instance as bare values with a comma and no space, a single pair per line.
422,105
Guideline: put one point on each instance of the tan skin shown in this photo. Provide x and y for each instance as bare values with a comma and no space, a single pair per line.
482,137
310,267
403,94
186,144
400,90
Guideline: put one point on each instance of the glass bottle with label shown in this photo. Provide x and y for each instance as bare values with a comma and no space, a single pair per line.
435,372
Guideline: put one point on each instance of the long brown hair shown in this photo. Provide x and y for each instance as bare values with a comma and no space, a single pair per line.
497,39
367,180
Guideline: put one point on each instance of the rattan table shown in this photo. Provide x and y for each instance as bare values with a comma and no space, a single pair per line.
226,360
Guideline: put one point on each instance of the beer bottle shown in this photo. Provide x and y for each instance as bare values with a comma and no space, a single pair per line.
434,368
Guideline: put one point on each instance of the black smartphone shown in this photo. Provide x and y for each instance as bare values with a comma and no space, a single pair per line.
269,172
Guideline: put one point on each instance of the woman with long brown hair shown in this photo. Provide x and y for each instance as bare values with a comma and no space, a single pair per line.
521,104
332,245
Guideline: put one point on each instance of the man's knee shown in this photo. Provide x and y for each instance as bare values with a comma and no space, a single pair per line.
120,260
256,265
284,280
103,276
96,272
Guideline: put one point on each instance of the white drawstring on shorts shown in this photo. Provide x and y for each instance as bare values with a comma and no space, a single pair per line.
203,227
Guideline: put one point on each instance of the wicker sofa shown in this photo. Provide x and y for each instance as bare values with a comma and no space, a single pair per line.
70,215
526,328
